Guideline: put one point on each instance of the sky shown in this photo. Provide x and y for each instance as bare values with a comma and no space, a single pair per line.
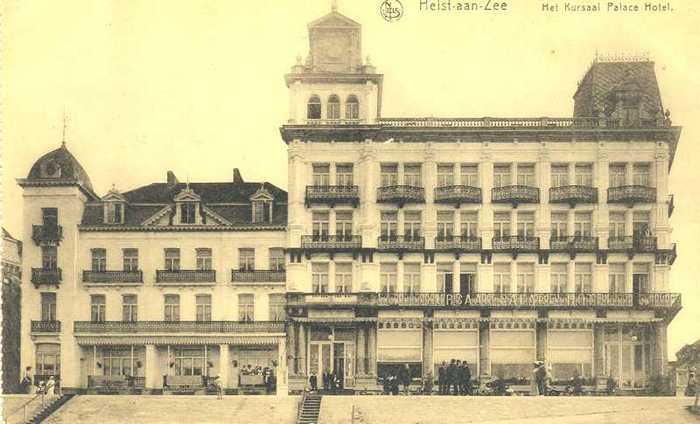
197,87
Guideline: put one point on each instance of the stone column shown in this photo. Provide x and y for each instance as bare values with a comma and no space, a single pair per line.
427,347
486,210
599,352
302,349
292,343
660,355
361,350
541,339
282,378
372,350
152,369
224,365
601,174
484,349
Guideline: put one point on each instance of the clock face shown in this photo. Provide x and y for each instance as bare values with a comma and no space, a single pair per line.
333,48
52,170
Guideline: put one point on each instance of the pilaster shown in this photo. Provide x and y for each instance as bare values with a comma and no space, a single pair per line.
224,365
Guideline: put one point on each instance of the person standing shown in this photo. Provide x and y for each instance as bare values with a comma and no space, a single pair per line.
467,379
452,378
692,388
50,386
405,377
313,382
541,378
460,378
442,377
326,380
26,383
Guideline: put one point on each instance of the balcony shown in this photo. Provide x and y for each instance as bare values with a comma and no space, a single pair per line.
331,242
632,194
574,244
170,327
401,194
401,243
333,195
186,276
107,277
465,244
573,194
46,276
42,234
332,122
516,244
632,244
515,194
457,194
258,276
46,327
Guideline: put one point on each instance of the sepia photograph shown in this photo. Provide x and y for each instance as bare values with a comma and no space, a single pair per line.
350,211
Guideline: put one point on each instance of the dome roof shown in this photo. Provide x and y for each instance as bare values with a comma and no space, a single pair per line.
60,166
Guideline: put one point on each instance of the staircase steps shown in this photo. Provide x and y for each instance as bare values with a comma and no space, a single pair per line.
49,409
310,409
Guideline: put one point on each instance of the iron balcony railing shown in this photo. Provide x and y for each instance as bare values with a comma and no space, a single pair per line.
47,233
258,276
515,194
90,276
573,243
637,244
457,194
46,326
516,243
115,382
492,300
573,194
332,194
413,243
327,241
458,243
401,194
331,122
632,194
578,122
153,327
186,276
46,276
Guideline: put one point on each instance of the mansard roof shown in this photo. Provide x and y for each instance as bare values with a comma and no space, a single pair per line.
56,168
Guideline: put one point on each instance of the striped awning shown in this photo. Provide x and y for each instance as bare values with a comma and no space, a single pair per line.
335,320
178,340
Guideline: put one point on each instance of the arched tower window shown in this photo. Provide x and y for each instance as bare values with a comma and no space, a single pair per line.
333,111
352,107
313,108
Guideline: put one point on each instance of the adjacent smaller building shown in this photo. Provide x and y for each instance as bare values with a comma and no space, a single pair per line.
11,298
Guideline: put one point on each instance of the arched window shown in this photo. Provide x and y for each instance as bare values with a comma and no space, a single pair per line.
333,111
352,107
313,108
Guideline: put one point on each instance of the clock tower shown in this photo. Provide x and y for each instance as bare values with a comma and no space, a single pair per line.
335,44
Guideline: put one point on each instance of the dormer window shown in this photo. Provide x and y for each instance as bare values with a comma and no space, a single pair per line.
188,208
114,207
261,206
187,213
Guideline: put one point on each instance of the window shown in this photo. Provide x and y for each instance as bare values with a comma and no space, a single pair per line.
246,307
411,278
412,225
445,175
501,223
467,278
501,175
560,175
261,211
469,226
172,307
559,277
501,278
313,107
246,259
470,175
526,174
49,217
584,278
640,278
114,212
526,278
277,303
129,308
172,259
319,277
617,278
559,225
412,175
640,224
204,261
117,361
97,307
445,225
526,225
48,359
352,107
48,306
445,278
99,260
203,302
343,174
618,175
343,277
131,260
582,224
389,225
321,174
276,259
189,360
48,257
187,213
389,174
343,225
333,108
319,225
641,174
617,225
387,277
584,174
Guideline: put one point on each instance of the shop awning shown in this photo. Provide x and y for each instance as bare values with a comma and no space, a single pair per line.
178,340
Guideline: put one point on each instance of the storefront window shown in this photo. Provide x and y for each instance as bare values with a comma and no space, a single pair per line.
458,340
48,360
570,352
189,360
512,351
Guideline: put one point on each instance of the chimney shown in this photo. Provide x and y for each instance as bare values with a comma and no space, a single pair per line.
172,179
237,179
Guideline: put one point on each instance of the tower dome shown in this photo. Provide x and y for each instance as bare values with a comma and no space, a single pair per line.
59,167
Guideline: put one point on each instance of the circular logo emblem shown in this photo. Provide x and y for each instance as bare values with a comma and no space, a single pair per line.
391,10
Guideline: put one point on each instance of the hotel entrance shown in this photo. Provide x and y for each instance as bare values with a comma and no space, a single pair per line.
332,351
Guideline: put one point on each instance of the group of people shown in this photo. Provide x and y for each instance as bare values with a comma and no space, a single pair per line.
455,378
331,381
396,378
27,385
